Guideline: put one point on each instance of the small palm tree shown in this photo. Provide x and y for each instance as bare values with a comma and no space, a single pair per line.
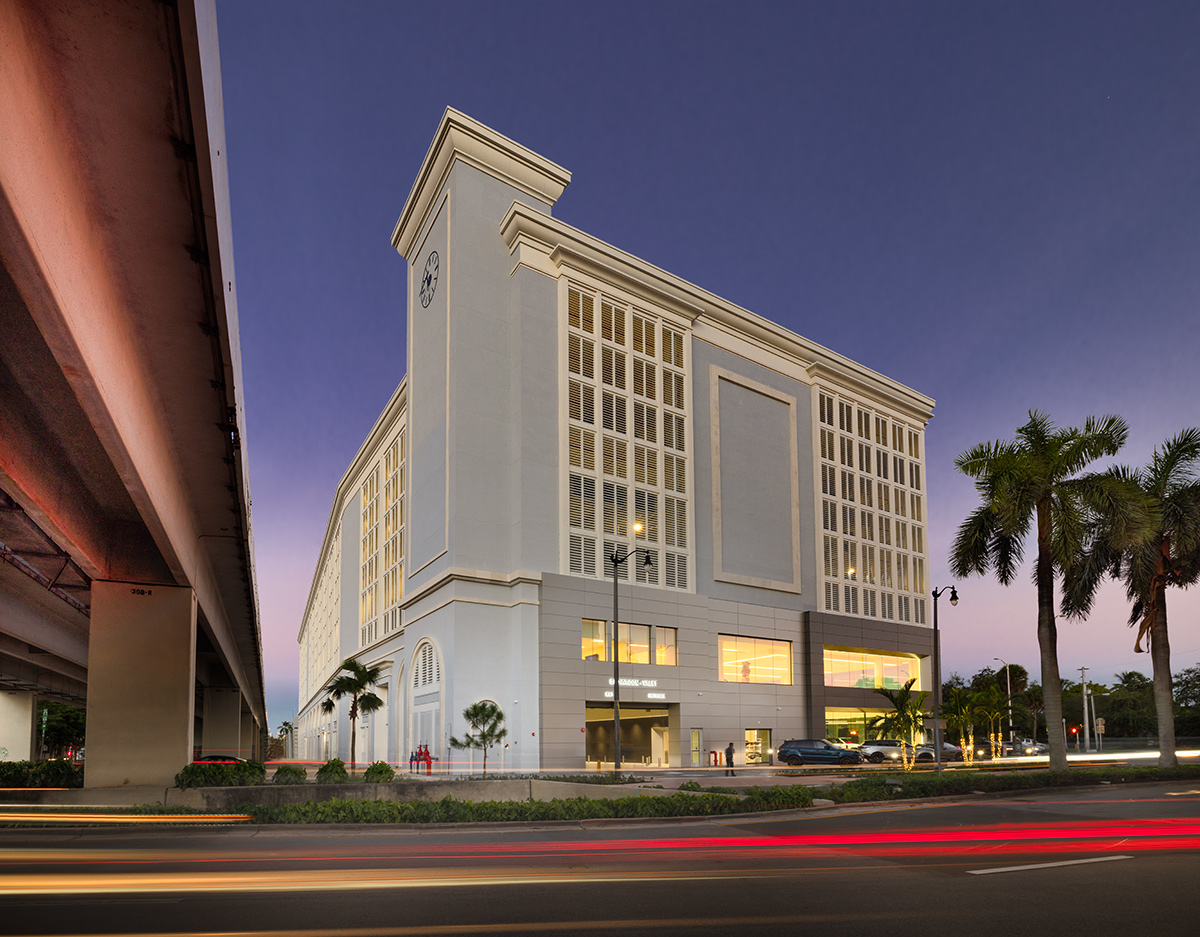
486,720
286,730
1033,485
905,721
354,680
992,705
1168,554
958,709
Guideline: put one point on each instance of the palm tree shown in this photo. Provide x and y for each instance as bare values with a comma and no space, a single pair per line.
992,705
285,732
1168,554
958,709
906,719
487,721
355,681
1033,484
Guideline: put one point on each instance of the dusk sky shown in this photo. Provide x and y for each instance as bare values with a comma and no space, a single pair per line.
995,204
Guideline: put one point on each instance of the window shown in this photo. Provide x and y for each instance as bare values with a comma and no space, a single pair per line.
829,516
581,402
633,644
672,347
674,473
827,447
845,417
583,555
614,457
645,508
583,502
582,449
614,412
613,368
581,356
675,570
676,522
645,422
831,547
644,379
673,390
915,475
898,464
848,486
643,335
825,406
645,465
851,667
829,480
754,660
865,488
612,323
666,650
616,509
595,640
579,311
673,430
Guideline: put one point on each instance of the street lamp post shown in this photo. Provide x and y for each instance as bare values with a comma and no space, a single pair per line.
617,559
937,675
1008,682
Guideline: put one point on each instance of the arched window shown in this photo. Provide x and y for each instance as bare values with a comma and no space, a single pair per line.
427,669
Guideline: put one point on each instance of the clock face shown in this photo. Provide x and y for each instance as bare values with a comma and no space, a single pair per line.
429,278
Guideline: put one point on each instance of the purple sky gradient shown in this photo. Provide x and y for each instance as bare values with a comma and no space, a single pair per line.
996,204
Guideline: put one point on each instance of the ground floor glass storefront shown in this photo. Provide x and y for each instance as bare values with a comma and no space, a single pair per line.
851,725
645,735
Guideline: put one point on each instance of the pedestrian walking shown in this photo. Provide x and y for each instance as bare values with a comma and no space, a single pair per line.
729,761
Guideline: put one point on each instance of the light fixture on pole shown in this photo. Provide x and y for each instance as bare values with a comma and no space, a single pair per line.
937,675
617,559
1008,683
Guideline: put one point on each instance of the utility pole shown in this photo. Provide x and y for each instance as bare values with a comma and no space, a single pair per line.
1087,738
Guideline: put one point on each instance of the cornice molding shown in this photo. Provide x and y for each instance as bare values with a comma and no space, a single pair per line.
550,246
460,137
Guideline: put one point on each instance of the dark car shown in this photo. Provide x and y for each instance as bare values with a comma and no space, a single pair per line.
218,760
816,752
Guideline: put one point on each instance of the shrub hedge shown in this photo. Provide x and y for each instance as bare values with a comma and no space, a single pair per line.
237,774
290,774
379,773
57,772
333,772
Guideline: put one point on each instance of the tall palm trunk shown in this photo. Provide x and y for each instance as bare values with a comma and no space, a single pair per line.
1164,701
353,729
1048,641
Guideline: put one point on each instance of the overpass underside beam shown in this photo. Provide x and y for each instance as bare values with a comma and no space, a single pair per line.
141,678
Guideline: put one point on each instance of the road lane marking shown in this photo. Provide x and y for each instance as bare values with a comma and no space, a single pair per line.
1045,865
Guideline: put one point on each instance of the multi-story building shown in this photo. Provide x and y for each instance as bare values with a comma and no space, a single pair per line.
566,401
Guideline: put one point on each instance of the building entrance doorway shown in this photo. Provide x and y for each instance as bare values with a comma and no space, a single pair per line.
758,746
645,735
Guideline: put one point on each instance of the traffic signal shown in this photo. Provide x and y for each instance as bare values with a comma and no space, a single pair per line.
1074,730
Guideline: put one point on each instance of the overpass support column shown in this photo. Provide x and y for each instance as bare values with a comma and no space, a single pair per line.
17,725
222,732
141,684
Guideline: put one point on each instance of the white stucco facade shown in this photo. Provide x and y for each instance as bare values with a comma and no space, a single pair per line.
562,400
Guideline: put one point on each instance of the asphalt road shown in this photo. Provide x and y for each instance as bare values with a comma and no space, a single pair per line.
1109,859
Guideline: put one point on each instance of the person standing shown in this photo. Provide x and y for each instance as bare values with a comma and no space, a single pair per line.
729,761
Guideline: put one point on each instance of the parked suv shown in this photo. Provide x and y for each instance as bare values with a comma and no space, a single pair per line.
877,751
816,752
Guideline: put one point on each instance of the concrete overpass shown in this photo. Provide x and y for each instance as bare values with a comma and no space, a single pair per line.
126,551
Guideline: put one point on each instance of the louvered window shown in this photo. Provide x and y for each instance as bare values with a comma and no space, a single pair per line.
885,497
868,525
915,475
881,432
583,555
582,449
829,480
901,535
864,457
581,356
869,565
885,531
673,390
865,490
864,424
914,444
676,522
885,569
675,473
918,542
579,311
614,457
827,445
583,502
614,413
898,465
829,516
869,604
645,422
645,465
643,335
881,464
832,593
675,571
847,451
672,352
825,404
850,607
613,368
673,432
848,486
612,323
916,508
581,402
427,669
616,509
846,417
850,559
644,378
901,503
645,508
